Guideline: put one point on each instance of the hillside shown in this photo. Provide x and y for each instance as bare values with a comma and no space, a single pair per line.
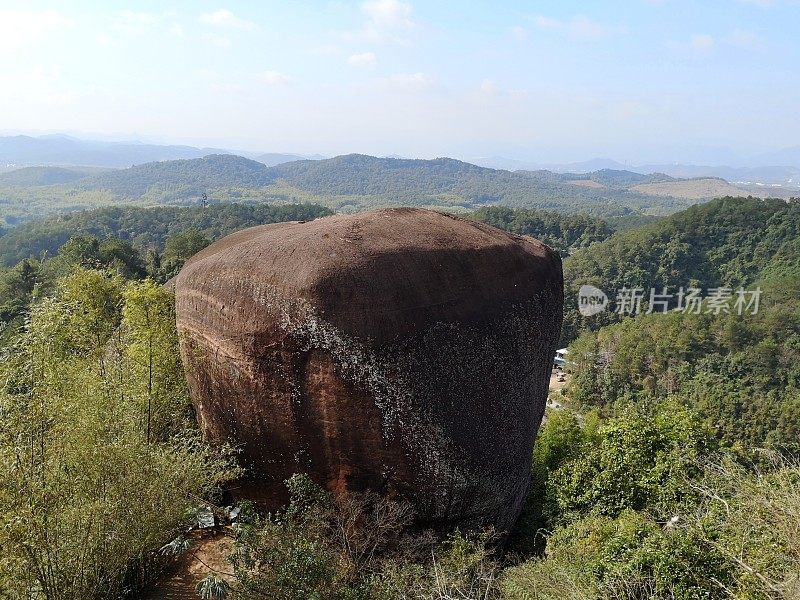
784,175
145,228
187,177
726,242
690,189
615,178
37,176
668,403
738,368
357,182
449,182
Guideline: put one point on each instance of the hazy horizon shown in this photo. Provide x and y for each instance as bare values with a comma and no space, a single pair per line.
647,81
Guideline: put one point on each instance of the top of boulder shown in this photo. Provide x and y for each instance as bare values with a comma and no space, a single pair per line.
382,273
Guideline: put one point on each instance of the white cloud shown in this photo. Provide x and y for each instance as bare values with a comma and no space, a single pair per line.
699,45
519,33
548,23
326,50
128,22
220,41
630,109
41,86
702,42
104,39
274,78
489,87
582,26
365,59
743,39
20,28
388,14
387,20
135,23
759,3
490,91
410,81
226,19
579,26
770,3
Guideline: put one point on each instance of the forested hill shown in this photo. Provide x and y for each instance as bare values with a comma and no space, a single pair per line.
192,176
728,242
359,174
446,181
148,228
145,228
616,178
442,181
36,176
353,182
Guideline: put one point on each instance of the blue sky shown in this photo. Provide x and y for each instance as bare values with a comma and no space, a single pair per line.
638,80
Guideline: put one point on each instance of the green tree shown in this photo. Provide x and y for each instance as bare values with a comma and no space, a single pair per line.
85,501
639,459
180,248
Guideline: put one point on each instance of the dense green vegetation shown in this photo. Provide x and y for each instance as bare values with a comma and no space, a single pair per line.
99,452
355,547
145,228
190,177
741,373
565,233
727,242
737,371
643,506
449,182
671,473
351,182
614,178
37,176
663,487
31,279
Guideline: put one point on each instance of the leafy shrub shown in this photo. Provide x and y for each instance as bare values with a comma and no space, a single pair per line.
94,475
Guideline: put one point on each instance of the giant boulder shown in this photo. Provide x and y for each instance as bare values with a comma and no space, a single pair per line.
403,351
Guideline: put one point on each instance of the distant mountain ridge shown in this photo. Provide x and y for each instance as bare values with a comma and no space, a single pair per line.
38,176
786,176
68,151
349,175
194,176
772,171
775,168
356,182
25,150
270,159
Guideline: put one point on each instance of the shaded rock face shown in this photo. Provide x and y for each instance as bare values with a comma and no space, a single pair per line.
403,351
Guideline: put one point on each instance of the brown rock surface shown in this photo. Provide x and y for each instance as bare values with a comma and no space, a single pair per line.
401,350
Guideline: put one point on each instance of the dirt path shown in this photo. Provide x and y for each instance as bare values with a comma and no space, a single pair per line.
554,390
207,555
